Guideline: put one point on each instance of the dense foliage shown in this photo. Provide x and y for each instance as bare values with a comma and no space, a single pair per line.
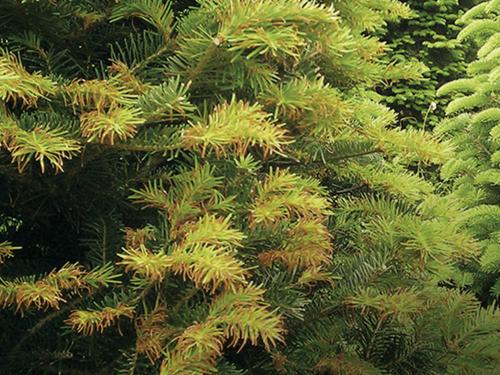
428,36
473,126
211,186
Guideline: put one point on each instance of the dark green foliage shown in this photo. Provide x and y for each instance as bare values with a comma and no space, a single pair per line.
429,37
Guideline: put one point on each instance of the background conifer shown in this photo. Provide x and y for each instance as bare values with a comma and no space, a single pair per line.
472,126
428,36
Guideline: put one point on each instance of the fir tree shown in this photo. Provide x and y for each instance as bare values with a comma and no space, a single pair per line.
428,36
211,187
472,125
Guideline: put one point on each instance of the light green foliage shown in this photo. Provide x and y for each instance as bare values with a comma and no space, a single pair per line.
472,125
